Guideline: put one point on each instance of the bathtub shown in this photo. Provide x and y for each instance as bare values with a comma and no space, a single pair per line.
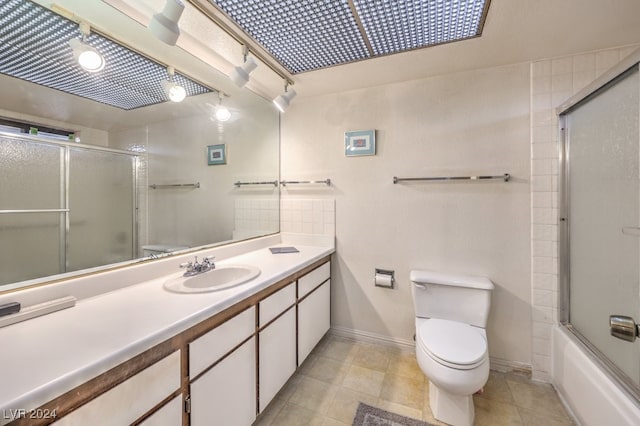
589,393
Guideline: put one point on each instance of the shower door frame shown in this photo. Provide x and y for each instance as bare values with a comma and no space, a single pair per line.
619,378
64,227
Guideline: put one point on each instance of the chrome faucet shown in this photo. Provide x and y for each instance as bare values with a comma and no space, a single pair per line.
195,267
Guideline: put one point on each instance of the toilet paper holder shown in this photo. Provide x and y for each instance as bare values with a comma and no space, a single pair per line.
384,278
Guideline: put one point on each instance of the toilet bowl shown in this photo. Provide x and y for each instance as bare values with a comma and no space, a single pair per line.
451,340
454,357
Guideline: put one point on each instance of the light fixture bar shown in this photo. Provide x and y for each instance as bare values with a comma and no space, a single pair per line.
363,33
216,15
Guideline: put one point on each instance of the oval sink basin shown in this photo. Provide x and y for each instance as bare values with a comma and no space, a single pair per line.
221,278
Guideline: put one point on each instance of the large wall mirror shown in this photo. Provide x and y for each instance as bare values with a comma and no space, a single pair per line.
102,168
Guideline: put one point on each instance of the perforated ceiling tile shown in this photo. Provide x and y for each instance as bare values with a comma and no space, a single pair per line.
301,34
34,46
403,25
304,35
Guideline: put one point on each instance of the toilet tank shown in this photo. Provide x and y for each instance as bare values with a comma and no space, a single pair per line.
452,297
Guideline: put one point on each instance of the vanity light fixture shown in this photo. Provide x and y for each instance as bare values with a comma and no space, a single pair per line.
164,25
174,91
222,112
240,74
282,101
87,56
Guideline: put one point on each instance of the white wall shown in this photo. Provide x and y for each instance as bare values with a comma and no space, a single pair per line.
467,123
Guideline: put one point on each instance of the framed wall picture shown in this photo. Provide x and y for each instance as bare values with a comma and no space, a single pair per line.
361,142
216,154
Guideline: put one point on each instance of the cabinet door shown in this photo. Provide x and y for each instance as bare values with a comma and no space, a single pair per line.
277,356
313,319
169,415
226,394
132,398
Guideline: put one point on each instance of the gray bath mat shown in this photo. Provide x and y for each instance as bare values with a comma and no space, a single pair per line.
367,415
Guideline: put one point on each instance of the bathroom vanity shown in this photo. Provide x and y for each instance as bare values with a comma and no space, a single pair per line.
144,355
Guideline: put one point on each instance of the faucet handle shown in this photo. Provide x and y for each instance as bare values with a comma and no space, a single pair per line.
208,258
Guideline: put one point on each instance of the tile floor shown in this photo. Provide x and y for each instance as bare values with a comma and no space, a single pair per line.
339,373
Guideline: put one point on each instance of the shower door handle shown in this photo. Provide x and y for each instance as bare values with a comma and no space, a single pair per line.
623,327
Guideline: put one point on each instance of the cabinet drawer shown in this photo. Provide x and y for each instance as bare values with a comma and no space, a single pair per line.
210,347
277,303
313,279
132,398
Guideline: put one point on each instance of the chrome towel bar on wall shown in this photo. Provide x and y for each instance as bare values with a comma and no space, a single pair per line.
175,185
239,184
296,182
506,177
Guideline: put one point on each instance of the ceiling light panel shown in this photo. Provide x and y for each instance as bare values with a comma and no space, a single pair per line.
34,47
410,24
301,34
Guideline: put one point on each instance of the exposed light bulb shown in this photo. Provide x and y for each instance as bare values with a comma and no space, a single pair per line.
176,92
222,113
87,56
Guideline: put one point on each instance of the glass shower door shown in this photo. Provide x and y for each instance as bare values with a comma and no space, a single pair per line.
31,210
603,217
101,227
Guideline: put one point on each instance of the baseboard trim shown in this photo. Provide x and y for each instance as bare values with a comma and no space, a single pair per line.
497,364
506,366
367,337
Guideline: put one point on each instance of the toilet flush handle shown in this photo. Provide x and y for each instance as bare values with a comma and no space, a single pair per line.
421,286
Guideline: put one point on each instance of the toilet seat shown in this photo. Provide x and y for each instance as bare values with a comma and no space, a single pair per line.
452,344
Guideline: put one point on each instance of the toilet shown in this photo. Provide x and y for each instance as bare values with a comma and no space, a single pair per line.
451,340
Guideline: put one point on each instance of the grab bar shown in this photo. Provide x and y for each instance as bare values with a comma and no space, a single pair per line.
296,182
239,184
506,177
35,211
175,185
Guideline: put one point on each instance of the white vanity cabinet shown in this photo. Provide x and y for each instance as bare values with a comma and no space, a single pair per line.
131,399
277,342
224,370
223,374
314,300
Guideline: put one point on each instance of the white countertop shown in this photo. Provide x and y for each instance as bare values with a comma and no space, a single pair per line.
47,356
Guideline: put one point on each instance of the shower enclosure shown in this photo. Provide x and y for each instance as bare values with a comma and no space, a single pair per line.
600,224
63,207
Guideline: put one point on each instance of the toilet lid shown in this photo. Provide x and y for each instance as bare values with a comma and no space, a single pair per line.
453,342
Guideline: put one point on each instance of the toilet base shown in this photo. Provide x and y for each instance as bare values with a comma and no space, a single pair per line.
453,409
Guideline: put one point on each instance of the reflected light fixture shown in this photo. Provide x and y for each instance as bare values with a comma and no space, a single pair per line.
87,56
164,25
222,112
174,91
240,75
282,101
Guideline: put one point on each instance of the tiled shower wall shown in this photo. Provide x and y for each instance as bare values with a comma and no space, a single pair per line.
553,81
